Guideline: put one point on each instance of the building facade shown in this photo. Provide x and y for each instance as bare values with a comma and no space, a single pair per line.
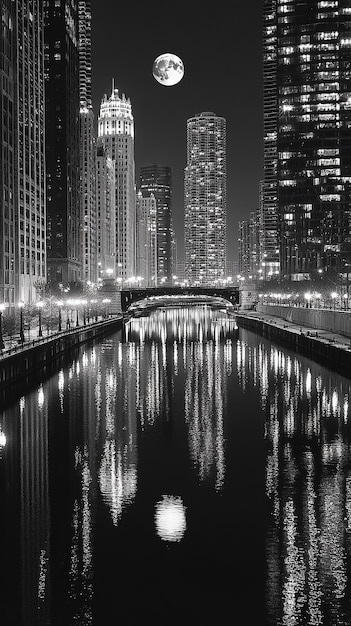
116,134
307,111
249,247
156,179
146,240
87,149
22,158
64,224
205,199
106,214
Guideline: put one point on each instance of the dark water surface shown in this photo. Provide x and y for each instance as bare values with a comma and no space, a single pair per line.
178,473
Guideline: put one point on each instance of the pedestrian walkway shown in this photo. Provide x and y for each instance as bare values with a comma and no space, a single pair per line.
13,344
324,336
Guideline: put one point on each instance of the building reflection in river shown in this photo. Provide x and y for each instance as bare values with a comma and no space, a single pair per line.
196,341
25,501
308,484
77,455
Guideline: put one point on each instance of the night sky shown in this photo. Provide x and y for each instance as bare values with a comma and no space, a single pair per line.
222,55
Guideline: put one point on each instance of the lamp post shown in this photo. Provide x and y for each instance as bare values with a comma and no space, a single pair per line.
307,297
334,296
40,306
21,305
2,344
59,304
106,302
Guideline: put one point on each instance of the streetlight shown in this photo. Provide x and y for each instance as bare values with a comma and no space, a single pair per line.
94,310
308,297
21,305
106,302
334,295
2,344
84,303
40,306
60,304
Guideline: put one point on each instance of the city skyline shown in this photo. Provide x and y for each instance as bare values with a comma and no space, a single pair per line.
223,73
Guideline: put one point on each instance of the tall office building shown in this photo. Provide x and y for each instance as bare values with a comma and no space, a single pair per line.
249,251
156,179
307,142
22,160
64,248
205,199
116,134
106,214
87,148
146,240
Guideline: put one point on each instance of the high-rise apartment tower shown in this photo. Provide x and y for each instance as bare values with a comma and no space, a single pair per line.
22,159
64,251
307,135
87,149
205,199
156,179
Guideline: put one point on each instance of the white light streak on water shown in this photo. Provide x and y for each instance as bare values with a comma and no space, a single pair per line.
170,518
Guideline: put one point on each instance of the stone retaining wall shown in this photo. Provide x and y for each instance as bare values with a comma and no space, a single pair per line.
327,353
23,364
338,322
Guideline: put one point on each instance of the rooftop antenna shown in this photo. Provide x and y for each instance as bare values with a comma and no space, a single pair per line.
113,86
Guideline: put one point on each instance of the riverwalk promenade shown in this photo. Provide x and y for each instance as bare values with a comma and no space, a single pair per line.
322,344
36,358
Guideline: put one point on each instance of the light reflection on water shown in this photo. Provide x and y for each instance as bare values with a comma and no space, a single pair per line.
183,380
308,472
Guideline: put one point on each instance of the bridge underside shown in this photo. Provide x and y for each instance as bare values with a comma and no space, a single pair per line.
130,296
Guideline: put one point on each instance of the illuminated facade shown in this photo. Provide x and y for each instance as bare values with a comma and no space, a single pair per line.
205,199
116,134
87,148
146,239
22,160
307,111
106,213
157,179
248,240
62,142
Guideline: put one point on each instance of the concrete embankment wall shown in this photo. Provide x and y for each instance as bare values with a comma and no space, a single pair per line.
338,322
33,360
327,353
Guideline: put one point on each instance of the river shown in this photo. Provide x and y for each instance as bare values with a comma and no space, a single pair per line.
180,471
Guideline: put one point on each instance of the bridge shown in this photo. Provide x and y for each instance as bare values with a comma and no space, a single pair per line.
130,296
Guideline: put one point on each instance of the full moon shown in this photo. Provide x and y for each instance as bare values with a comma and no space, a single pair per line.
168,69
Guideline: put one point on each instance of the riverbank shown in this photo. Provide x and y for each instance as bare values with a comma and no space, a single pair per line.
325,346
22,363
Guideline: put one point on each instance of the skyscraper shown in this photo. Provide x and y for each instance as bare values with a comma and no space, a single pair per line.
146,240
116,134
248,239
87,148
307,142
64,248
22,160
106,214
156,179
205,199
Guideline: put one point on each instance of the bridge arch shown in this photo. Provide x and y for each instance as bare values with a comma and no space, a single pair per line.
130,296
